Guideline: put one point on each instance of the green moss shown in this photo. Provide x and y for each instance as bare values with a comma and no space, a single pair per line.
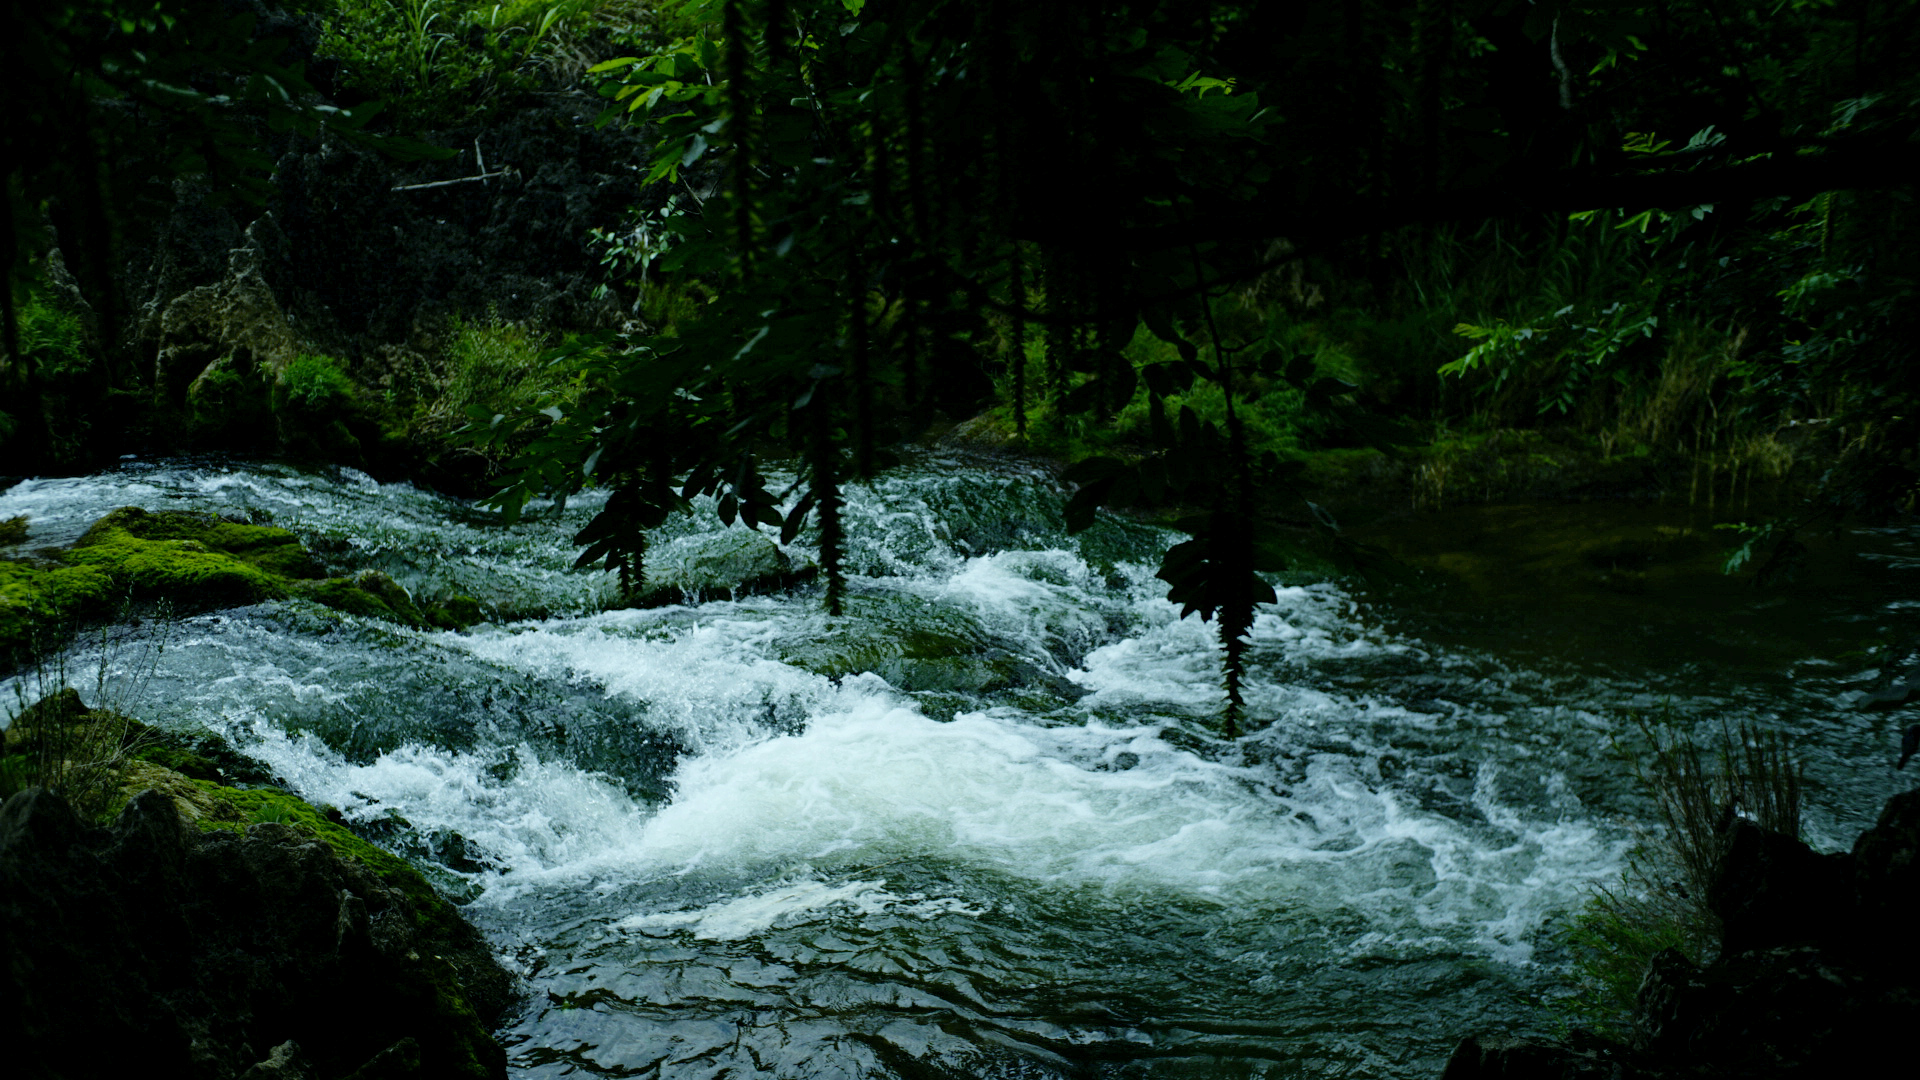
35,600
13,530
369,593
230,403
188,558
184,556
185,762
430,912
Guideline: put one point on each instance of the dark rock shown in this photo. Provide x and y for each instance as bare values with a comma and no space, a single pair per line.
161,950
285,1062
1815,975
1518,1059
1770,889
1886,883
359,268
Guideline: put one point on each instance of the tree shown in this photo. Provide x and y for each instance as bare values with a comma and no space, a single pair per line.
108,103
913,190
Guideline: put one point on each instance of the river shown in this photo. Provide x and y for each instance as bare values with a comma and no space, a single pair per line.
981,825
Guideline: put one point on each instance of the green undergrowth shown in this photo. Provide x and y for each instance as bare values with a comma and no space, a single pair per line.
440,61
1660,900
194,561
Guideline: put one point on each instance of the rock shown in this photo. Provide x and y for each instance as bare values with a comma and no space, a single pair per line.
360,263
285,1062
193,560
238,313
152,948
1518,1059
1770,888
720,565
370,593
1886,884
1814,977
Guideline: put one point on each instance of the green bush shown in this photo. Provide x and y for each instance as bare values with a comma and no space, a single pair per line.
54,338
54,372
316,384
497,365
443,60
1660,901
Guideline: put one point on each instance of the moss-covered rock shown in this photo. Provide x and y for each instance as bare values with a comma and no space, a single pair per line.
230,403
446,969
197,558
369,593
720,565
193,951
454,613
194,561
35,598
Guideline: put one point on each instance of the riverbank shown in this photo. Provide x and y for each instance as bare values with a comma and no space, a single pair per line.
1813,977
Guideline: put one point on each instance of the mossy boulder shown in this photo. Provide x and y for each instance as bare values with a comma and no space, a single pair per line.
722,565
182,555
436,966
919,650
35,598
194,561
188,951
230,403
369,593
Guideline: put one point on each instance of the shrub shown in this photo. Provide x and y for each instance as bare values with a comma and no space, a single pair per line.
1660,901
500,366
316,384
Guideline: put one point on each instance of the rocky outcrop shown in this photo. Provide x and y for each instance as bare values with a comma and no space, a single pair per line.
153,948
1816,974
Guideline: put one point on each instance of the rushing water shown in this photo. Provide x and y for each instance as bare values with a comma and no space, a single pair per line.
979,827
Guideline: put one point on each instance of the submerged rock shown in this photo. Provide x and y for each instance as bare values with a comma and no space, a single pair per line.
153,948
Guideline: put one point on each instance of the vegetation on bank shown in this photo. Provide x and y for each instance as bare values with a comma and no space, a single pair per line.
1622,250
1665,897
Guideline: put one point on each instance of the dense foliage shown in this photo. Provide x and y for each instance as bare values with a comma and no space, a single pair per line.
923,206
1173,239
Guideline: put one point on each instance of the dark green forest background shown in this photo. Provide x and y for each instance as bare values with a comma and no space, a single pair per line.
1202,253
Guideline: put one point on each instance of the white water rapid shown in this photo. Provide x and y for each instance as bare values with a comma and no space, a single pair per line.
979,827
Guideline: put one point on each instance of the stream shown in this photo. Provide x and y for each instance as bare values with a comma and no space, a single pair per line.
981,826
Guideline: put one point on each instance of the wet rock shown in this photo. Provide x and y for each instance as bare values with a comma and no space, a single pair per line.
1768,887
1517,1059
370,593
152,948
1886,884
285,1062
720,565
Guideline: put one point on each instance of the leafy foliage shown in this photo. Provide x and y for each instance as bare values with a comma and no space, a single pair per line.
901,208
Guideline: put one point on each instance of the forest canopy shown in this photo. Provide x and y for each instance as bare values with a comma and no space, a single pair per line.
1090,217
